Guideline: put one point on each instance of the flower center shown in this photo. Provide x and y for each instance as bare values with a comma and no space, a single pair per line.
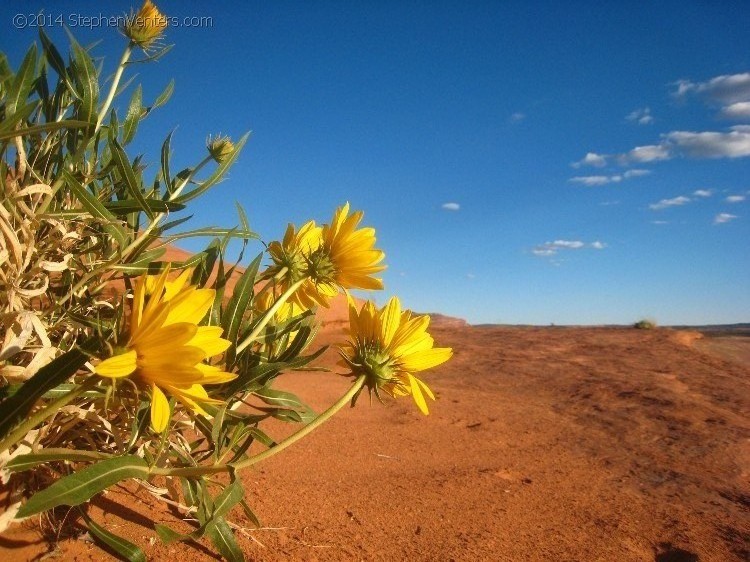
320,267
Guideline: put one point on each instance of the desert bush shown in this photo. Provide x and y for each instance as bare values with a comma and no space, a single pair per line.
644,325
119,365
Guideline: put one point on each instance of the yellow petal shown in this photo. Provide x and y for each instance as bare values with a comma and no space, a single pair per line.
159,409
389,320
172,288
427,359
118,365
208,339
416,393
190,305
214,375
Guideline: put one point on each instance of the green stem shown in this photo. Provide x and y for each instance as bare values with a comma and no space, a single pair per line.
113,88
40,415
157,219
193,471
269,314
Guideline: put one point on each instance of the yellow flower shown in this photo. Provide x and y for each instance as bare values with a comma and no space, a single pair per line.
293,253
145,27
166,347
387,346
347,257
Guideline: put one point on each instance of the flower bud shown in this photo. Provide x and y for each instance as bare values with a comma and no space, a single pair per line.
220,148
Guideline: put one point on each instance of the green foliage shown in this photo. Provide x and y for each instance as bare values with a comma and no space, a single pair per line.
645,325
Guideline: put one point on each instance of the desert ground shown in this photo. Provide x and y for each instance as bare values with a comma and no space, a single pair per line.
545,443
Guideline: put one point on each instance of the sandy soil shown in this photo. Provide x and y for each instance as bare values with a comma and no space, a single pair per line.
566,444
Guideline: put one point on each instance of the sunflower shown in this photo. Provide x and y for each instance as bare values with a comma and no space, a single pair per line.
346,257
387,346
146,27
166,348
290,258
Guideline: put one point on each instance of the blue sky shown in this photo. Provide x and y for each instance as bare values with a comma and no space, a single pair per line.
523,162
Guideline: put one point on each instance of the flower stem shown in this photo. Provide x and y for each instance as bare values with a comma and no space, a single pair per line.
293,438
269,314
113,88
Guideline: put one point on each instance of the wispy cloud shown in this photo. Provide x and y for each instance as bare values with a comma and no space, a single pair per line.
721,218
552,248
593,181
732,143
517,117
735,199
674,202
642,116
591,159
738,110
660,222
703,192
451,206
726,90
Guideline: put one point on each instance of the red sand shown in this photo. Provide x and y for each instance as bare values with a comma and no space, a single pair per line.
564,444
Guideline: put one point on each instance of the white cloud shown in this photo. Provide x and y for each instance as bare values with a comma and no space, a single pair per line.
551,248
659,222
674,202
648,153
592,181
710,144
642,116
737,110
451,206
591,159
471,276
703,192
724,217
517,117
735,199
595,180
636,172
725,89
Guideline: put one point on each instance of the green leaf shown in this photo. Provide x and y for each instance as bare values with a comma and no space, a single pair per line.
8,125
249,513
9,134
218,174
95,208
213,231
15,408
25,462
128,174
155,205
165,156
124,549
133,116
222,537
228,498
78,487
241,299
55,59
168,535
86,80
285,400
22,83
164,96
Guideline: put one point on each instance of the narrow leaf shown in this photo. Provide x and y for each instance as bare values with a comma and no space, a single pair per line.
15,408
22,83
78,487
222,537
120,546
133,116
128,174
95,207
